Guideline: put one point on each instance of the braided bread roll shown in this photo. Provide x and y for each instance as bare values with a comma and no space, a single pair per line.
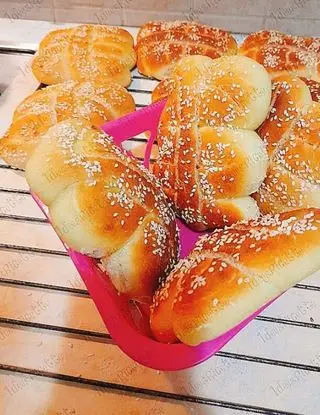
291,132
210,157
104,204
96,102
282,54
86,52
160,45
233,272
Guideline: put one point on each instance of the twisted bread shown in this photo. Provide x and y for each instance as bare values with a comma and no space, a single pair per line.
210,157
86,52
103,204
96,102
280,53
233,272
291,133
161,44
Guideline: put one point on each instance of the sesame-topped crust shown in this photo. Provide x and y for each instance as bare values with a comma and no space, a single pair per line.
161,44
95,101
314,88
104,204
85,52
233,272
210,157
292,134
281,54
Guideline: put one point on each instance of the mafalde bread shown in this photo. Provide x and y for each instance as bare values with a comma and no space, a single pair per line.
210,157
284,54
292,135
85,52
97,102
233,272
160,45
104,204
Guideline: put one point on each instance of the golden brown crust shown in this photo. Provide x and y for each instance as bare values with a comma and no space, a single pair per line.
233,272
314,88
163,89
97,102
86,52
283,54
104,204
291,132
210,159
290,99
161,44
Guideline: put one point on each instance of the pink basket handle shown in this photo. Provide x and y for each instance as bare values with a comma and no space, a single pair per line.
140,121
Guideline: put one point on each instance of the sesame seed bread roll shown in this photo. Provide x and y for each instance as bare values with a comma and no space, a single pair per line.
160,45
97,102
104,204
85,52
290,98
233,272
283,54
291,132
210,157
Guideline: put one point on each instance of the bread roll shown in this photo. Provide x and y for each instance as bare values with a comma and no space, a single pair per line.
104,204
291,133
233,272
282,54
97,102
210,157
161,44
86,52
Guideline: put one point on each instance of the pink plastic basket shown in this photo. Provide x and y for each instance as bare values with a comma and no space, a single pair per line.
127,324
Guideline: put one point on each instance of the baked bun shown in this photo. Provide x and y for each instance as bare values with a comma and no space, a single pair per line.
161,44
291,133
104,204
210,157
281,54
97,102
233,272
86,52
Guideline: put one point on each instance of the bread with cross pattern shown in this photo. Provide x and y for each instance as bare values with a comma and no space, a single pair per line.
160,45
282,54
210,157
97,102
86,52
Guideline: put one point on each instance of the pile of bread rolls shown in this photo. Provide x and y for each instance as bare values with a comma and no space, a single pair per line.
238,158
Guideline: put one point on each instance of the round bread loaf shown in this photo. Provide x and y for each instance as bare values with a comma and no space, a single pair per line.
87,52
